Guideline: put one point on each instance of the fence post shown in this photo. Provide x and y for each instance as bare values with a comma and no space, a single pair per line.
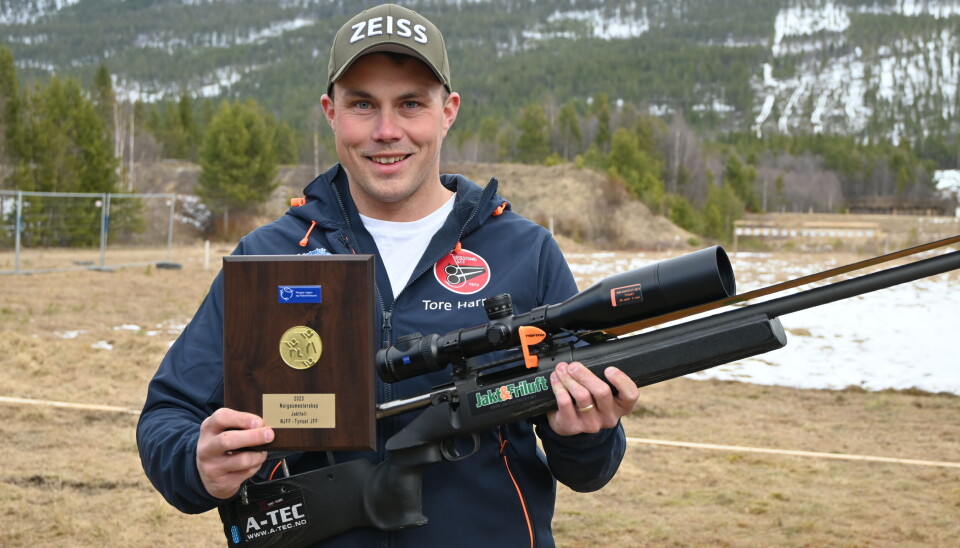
173,204
16,253
104,219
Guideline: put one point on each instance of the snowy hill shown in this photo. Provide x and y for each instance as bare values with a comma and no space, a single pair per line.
884,69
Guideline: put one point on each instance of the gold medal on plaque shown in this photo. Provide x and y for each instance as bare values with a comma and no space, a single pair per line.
300,347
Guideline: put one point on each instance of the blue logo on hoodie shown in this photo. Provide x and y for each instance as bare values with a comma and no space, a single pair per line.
318,251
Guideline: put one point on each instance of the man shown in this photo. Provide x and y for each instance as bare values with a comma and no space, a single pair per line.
390,105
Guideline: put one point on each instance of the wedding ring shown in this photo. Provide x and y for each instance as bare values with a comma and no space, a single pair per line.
587,408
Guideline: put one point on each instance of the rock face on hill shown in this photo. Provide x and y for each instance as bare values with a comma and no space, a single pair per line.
581,206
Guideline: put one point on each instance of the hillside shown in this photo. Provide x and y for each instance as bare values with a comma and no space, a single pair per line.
581,204
879,69
585,209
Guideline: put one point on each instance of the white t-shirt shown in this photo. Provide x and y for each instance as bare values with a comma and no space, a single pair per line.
402,244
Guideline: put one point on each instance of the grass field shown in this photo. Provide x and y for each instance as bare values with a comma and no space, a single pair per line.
71,477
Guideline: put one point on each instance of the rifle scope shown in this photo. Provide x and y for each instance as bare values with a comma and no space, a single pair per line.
662,287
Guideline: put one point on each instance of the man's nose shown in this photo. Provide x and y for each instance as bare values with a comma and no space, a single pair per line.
388,127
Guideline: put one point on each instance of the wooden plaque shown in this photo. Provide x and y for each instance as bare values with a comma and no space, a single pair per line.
298,347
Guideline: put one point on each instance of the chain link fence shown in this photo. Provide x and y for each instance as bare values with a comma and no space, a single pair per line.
57,231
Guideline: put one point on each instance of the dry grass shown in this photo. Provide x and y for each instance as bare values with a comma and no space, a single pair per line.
73,477
666,496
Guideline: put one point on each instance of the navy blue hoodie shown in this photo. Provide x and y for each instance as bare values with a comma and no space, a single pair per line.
503,495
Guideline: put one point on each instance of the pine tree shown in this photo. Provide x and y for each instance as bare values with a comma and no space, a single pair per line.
174,136
105,99
192,133
286,141
533,145
601,110
487,134
571,137
639,169
682,213
65,148
10,134
741,178
238,160
723,207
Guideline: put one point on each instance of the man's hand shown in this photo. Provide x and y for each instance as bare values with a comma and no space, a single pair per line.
585,403
222,468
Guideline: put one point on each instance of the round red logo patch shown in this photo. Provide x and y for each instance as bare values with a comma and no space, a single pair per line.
464,272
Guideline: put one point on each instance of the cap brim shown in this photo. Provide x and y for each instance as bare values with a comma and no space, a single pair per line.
391,47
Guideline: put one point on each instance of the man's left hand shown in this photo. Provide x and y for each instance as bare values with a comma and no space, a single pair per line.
587,404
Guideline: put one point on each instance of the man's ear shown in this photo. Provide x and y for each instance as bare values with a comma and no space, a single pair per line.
326,103
450,110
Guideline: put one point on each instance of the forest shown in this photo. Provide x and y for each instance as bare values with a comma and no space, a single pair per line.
704,58
59,137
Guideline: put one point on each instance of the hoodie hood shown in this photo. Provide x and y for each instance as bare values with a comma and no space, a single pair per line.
330,205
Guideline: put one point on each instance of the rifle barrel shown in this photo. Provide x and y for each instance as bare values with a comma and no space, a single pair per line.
847,288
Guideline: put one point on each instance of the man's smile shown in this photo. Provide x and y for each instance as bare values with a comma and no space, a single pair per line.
388,160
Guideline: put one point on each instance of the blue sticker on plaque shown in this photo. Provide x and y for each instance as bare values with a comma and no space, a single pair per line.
299,294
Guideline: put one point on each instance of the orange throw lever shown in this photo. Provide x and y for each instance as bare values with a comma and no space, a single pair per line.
530,336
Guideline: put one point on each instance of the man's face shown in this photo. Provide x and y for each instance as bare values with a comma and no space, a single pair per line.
389,120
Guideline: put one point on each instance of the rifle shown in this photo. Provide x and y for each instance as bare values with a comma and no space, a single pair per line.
483,395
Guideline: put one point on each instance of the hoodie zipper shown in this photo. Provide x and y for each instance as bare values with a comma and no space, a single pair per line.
385,326
387,391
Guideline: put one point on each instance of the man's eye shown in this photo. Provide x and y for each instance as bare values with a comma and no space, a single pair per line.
363,105
411,104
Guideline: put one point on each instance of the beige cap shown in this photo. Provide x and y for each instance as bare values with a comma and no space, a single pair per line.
388,27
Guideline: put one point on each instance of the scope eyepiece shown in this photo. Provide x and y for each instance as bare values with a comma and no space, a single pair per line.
410,356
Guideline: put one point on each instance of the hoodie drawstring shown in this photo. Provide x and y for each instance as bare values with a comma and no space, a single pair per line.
306,238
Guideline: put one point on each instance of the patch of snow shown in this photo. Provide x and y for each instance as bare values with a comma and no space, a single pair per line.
212,85
900,337
898,74
947,180
25,13
619,26
101,345
804,19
